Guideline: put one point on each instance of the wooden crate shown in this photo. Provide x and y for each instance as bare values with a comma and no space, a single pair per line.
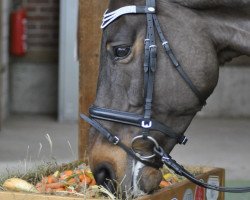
188,191
184,190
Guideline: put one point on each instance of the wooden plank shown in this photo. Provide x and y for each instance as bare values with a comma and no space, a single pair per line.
185,188
90,15
27,196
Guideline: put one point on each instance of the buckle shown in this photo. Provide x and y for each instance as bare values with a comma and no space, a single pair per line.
146,124
146,41
115,140
166,45
151,9
183,140
152,46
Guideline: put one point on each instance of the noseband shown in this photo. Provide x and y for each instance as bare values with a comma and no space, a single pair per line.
145,121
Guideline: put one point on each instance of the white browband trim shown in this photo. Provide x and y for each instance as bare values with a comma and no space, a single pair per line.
110,17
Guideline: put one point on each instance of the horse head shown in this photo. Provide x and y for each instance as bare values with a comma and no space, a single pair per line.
201,39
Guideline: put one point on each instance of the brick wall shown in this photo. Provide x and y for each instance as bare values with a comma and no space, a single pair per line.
43,24
31,74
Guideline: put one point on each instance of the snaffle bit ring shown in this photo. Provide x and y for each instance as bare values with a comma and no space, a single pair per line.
137,153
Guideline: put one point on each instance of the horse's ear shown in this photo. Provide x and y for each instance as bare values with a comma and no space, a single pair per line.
206,4
230,33
227,55
227,23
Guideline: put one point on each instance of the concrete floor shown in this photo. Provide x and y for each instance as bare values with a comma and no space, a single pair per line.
212,142
23,137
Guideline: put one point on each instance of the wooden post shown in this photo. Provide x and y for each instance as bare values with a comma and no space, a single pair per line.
1,70
89,37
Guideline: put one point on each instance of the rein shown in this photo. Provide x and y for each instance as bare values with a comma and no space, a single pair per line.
145,121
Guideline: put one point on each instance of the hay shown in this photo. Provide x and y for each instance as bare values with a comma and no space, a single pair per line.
36,174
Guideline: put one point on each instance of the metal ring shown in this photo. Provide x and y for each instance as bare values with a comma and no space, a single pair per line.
139,155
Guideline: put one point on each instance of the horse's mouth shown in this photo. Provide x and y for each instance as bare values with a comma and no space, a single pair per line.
105,176
142,179
145,179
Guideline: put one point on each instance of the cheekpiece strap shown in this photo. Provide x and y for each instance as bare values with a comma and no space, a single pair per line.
109,17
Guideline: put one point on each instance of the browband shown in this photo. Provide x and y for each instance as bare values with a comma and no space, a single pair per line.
109,17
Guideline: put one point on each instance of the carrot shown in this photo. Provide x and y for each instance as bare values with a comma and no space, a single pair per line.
79,172
68,172
164,184
63,177
85,179
51,179
89,173
81,177
71,181
93,182
55,185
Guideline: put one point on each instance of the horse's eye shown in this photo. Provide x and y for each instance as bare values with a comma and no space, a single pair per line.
121,51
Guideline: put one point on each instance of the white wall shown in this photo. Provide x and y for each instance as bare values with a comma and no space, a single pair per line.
231,97
68,64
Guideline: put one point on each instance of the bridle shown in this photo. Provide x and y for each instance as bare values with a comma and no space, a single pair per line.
145,121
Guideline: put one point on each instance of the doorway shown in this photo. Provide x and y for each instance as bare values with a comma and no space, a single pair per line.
45,80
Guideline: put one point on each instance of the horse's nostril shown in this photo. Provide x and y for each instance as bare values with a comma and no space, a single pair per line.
105,176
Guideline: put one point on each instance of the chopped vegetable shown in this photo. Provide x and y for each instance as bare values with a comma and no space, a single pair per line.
19,185
170,178
76,180
164,184
70,181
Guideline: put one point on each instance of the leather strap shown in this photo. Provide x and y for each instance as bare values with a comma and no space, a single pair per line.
149,69
116,141
175,62
134,120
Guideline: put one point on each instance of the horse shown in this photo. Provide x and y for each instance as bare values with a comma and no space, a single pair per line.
203,35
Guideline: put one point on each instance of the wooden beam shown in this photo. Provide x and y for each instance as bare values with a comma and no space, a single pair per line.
1,69
89,37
